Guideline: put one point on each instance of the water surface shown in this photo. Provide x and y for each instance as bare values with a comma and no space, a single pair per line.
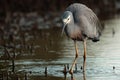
53,51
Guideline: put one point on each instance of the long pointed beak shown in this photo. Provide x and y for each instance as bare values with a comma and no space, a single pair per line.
64,25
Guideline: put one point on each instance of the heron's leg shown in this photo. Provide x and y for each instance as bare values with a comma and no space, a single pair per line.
84,56
76,56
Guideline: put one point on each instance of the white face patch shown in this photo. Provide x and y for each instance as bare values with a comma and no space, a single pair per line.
67,20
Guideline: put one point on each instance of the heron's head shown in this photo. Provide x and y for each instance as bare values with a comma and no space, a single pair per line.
66,19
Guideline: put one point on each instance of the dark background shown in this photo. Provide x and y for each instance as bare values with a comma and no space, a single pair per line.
100,7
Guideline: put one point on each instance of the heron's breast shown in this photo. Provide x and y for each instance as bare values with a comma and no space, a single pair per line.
76,34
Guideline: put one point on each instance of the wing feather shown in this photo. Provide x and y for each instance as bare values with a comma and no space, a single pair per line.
86,19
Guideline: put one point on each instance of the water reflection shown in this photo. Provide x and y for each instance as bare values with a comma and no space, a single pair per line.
46,44
84,76
81,77
45,78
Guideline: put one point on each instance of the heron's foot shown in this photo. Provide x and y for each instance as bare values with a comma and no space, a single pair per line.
83,70
71,72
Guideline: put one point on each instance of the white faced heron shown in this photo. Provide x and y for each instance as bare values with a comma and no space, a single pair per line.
80,23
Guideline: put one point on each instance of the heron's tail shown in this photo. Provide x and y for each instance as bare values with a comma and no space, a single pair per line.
95,39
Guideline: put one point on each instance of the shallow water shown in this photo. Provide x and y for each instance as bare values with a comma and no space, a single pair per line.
53,51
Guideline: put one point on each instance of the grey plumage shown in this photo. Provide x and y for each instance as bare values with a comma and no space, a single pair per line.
84,23
80,23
